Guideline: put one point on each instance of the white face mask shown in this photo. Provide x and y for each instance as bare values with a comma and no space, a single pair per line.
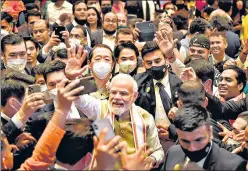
16,64
74,42
53,93
101,69
43,88
127,67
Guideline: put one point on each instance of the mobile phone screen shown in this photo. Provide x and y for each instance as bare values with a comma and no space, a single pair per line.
58,29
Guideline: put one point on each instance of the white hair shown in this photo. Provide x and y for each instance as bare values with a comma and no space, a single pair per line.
125,77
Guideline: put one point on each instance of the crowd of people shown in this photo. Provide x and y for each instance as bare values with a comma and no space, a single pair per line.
175,102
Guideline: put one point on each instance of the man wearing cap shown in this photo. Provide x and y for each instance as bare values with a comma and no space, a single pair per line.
199,47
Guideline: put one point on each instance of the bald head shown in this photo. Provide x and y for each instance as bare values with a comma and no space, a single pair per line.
110,22
41,31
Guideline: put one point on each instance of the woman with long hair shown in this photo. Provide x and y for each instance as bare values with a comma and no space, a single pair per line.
94,21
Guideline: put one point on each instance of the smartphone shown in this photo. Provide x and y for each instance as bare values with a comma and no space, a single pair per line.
99,125
147,31
89,85
192,12
58,29
35,88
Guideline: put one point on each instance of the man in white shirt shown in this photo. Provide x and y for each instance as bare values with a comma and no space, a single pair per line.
56,8
106,36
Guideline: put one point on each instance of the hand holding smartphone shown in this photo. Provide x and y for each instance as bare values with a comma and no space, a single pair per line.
147,31
99,125
58,30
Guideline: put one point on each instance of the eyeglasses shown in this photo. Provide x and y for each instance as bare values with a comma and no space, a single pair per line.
109,21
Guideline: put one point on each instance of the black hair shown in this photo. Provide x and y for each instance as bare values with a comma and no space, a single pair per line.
210,2
235,10
61,53
208,10
150,46
40,69
6,16
32,13
77,141
221,23
100,46
54,66
122,46
14,83
190,117
11,39
76,3
36,43
191,92
225,5
241,78
99,19
181,22
203,69
83,29
31,6
199,25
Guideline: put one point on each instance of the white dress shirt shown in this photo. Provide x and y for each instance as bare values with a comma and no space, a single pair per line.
109,40
160,115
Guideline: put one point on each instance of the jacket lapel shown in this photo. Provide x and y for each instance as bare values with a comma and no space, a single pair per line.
211,158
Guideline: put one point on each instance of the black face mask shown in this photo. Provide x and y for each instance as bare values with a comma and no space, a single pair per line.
105,10
157,72
54,1
109,32
181,6
196,156
80,22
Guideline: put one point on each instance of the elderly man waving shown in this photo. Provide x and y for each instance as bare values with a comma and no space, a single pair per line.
132,123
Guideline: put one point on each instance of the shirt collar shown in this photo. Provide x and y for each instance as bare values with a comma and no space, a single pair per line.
202,161
74,23
105,35
62,6
5,116
58,167
164,80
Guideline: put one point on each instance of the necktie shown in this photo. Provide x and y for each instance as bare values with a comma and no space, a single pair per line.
164,97
147,11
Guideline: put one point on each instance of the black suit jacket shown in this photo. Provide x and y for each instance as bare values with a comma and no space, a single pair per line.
146,98
217,159
96,37
226,110
140,13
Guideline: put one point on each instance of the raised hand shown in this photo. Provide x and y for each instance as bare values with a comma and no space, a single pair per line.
188,74
75,60
106,153
67,93
225,131
31,103
165,45
137,160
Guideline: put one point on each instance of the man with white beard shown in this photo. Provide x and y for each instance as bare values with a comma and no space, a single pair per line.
132,123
